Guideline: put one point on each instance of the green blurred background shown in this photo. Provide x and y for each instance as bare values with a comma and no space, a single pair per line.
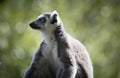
96,23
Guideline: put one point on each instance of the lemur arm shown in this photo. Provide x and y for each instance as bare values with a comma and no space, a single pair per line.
68,67
32,70
67,72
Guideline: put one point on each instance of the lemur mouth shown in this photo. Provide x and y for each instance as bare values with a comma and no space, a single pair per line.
34,26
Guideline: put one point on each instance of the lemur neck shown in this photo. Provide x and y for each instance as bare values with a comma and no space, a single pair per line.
48,37
59,33
55,35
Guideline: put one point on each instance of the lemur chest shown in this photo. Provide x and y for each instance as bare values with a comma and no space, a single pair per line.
50,53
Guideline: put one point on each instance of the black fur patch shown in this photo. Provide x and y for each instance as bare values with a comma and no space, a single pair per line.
54,19
81,73
42,19
58,33
47,15
34,26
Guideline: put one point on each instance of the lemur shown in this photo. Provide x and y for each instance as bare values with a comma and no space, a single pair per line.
59,54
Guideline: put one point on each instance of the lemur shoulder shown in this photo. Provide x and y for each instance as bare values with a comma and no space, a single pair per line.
59,55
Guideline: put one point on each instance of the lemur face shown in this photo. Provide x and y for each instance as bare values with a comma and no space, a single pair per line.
46,21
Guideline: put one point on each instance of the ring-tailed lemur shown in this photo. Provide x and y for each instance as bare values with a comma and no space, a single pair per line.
59,55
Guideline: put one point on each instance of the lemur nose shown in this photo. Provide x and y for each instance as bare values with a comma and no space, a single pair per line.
34,26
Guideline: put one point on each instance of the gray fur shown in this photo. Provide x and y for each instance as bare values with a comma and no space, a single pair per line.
59,55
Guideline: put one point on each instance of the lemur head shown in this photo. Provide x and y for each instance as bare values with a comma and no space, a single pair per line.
46,21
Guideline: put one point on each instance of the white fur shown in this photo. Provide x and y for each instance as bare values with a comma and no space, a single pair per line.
50,50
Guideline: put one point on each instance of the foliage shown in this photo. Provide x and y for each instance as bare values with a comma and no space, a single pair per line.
96,23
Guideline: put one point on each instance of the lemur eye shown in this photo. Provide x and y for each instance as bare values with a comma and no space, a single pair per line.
42,19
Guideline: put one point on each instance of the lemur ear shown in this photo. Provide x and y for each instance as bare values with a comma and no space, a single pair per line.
54,17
